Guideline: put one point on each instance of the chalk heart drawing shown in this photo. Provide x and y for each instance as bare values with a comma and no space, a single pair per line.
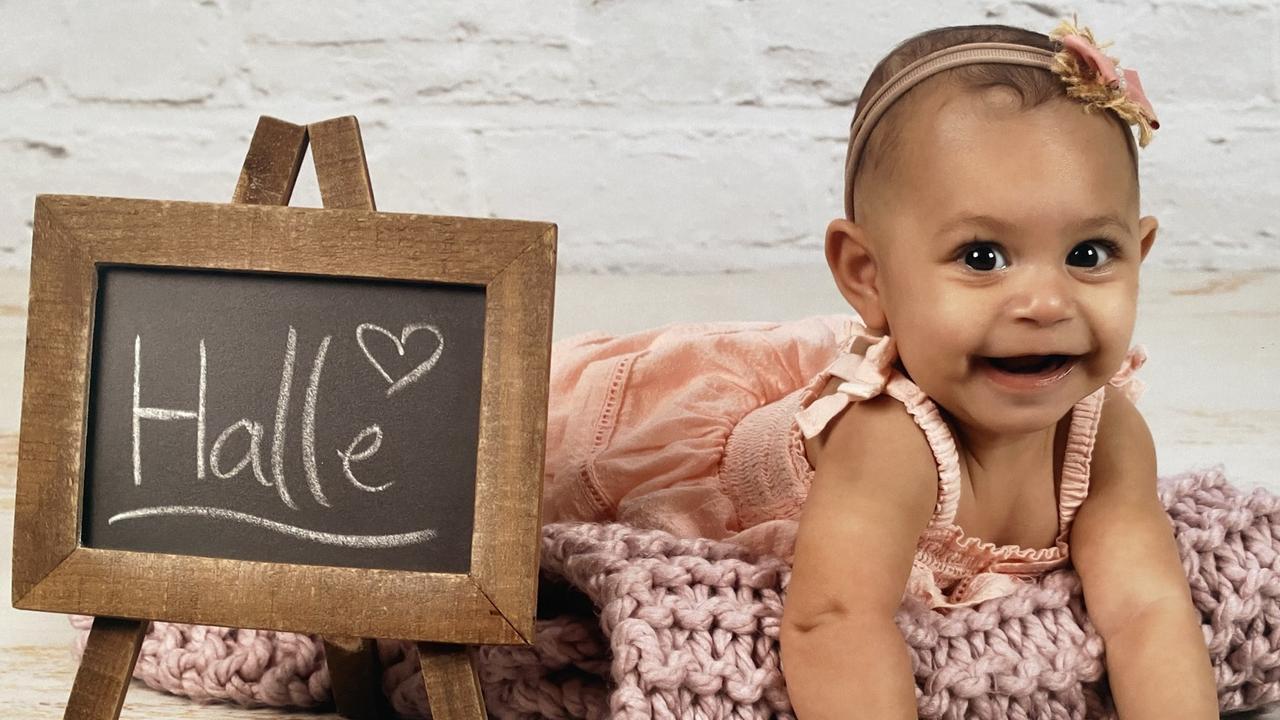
399,342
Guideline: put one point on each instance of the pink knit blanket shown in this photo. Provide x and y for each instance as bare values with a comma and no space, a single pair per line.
675,628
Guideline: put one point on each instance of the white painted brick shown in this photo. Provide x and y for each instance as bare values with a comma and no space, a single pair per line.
419,168
665,199
448,20
659,135
667,52
169,52
407,72
1227,220
1218,52
824,53
30,44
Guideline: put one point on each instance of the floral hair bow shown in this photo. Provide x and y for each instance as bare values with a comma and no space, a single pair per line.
1097,79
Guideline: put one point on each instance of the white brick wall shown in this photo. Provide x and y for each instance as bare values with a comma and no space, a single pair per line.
661,135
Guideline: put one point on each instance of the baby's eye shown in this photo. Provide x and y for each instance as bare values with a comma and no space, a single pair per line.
984,257
1091,254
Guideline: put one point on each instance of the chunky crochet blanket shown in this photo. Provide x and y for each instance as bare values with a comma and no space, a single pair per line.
641,624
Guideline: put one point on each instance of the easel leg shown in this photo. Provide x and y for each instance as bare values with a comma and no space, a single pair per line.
341,170
453,684
355,676
106,669
271,166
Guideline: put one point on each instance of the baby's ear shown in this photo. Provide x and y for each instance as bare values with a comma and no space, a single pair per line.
1147,232
853,264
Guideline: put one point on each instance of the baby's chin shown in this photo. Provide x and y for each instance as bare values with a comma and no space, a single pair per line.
1001,417
981,404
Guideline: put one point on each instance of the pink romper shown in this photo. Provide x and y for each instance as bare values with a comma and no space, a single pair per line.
698,429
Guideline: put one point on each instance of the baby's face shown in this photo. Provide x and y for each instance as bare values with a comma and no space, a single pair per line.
1050,277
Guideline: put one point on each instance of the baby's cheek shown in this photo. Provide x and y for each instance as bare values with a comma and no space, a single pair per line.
1113,324
1114,302
1106,359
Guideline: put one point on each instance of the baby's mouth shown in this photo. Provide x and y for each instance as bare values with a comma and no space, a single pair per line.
1029,364
1027,373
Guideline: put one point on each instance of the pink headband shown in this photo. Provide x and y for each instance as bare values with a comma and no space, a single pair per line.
1103,86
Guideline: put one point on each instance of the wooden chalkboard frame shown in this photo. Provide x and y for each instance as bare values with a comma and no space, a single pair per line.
514,261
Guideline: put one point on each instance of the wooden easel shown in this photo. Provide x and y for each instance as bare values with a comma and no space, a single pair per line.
453,687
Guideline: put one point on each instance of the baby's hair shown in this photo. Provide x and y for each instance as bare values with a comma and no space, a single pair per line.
1034,87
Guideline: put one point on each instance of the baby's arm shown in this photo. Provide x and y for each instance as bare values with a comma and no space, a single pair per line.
872,494
1135,589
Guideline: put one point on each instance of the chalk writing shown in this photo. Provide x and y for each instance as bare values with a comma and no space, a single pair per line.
399,343
358,541
362,447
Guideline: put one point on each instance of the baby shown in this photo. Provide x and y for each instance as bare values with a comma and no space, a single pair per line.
972,428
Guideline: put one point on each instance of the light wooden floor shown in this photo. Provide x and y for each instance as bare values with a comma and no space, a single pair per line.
1213,398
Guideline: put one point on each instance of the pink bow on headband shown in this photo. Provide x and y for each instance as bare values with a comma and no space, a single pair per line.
1106,68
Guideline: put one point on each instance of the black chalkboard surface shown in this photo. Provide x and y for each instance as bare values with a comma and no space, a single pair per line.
283,418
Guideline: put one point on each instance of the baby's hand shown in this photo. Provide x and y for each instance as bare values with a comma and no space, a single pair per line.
1135,589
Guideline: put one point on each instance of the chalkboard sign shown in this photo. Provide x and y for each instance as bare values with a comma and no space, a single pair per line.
326,421
284,418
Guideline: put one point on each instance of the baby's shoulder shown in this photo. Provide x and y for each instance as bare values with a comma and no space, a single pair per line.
872,434
1124,451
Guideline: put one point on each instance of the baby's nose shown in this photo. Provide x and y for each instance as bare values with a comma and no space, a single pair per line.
1043,298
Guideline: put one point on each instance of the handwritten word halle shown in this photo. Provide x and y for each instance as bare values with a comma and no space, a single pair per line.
352,454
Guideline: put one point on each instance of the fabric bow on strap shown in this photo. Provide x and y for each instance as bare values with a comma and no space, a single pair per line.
1124,378
864,377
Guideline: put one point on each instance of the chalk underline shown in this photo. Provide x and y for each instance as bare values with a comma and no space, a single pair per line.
352,541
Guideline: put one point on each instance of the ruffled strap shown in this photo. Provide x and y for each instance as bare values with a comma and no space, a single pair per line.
1125,380
865,376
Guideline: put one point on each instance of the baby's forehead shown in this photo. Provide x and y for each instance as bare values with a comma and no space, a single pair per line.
938,102
899,131
983,150
956,127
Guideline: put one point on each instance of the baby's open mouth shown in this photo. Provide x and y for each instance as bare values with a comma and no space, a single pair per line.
1030,364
